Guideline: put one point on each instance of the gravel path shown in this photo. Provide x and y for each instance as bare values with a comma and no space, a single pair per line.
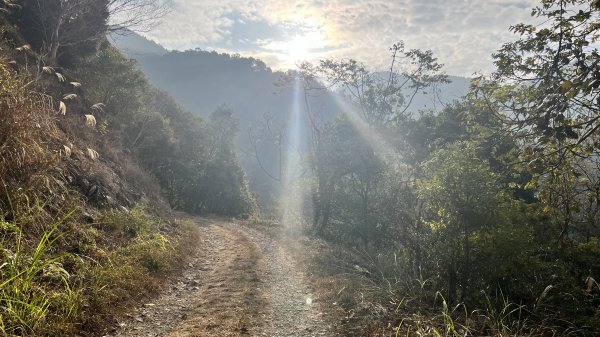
294,311
241,283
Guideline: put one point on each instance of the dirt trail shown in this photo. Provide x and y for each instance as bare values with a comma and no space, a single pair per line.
242,283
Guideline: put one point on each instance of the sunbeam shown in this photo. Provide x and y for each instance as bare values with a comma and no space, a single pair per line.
380,146
292,201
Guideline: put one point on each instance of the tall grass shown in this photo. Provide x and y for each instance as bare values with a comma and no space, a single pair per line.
383,296
53,285
34,285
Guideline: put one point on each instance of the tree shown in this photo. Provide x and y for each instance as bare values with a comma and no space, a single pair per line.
349,172
138,15
385,97
546,91
462,195
225,180
547,83
65,28
53,25
381,101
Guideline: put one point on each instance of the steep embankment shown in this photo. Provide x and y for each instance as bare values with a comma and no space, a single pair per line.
92,157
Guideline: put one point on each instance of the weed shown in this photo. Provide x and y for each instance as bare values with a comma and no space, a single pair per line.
34,286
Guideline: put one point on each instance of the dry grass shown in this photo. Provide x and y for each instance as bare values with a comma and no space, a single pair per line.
68,276
137,268
29,139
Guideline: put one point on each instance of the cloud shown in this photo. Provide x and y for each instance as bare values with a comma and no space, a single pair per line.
462,33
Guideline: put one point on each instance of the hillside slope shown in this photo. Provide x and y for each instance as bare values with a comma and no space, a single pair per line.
92,160
203,80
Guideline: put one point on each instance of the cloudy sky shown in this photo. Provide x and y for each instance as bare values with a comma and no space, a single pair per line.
461,33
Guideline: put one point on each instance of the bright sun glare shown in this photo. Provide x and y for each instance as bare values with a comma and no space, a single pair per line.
304,47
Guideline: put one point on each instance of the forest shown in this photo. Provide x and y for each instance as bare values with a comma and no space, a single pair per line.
476,215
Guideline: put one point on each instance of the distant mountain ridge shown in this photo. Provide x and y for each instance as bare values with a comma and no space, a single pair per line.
203,80
135,45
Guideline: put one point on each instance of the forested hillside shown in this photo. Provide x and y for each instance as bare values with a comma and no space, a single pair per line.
203,80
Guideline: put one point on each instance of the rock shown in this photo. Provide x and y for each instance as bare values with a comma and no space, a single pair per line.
92,191
85,184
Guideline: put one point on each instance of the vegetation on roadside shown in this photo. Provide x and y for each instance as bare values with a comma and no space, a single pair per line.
486,211
88,149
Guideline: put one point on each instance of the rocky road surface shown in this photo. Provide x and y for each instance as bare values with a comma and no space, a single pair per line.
241,283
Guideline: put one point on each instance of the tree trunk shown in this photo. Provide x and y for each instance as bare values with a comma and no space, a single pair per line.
54,44
452,280
466,268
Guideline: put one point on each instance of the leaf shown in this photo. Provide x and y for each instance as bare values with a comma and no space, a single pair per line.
90,121
62,108
75,84
93,154
61,77
531,185
570,133
69,97
543,296
567,85
572,93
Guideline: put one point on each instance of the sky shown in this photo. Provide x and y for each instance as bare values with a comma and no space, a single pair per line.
462,33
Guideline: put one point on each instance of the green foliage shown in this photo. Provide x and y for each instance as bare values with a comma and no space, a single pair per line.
59,277
382,98
35,289
467,210
136,223
193,160
546,84
455,211
349,174
438,202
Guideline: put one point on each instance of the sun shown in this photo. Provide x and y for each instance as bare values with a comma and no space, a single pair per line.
306,47
299,49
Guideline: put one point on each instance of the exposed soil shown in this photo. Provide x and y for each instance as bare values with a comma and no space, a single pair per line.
241,283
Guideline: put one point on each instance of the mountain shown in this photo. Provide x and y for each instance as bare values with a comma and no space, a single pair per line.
203,80
135,45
